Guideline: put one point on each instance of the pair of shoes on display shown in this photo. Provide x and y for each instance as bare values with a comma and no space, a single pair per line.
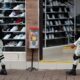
3,70
12,43
21,36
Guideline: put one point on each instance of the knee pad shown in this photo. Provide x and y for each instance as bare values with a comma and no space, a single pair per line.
75,57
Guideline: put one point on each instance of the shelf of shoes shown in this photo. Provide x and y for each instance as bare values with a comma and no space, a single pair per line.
12,1
59,24
12,19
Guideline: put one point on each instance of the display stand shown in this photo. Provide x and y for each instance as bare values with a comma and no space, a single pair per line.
32,61
33,44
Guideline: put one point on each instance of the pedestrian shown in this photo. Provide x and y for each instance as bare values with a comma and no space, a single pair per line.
3,68
76,57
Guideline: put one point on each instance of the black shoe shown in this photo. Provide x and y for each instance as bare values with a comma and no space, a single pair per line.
3,72
72,72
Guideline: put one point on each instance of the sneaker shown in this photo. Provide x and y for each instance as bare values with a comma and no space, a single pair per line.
13,14
12,43
21,15
19,21
15,28
7,36
19,43
23,29
19,7
23,37
20,36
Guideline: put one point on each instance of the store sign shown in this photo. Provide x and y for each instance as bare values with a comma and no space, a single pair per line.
33,37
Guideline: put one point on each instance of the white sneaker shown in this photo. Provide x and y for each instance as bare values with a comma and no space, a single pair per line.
13,14
7,36
19,43
21,15
23,29
23,37
19,7
20,36
15,37
15,28
12,43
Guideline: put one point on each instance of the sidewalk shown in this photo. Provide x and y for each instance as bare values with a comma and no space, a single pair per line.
39,75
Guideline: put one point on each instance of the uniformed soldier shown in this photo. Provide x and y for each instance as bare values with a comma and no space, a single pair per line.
3,69
76,56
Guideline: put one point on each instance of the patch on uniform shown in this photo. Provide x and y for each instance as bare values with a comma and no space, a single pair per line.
1,57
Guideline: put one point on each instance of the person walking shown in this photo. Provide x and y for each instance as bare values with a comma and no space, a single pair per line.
76,57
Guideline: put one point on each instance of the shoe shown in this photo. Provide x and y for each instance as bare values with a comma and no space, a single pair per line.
11,44
21,15
15,28
19,7
23,29
18,21
13,14
72,72
16,37
21,36
7,36
3,70
19,43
